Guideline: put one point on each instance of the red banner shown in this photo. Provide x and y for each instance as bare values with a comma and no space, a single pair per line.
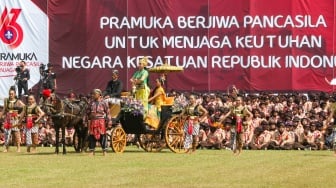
279,45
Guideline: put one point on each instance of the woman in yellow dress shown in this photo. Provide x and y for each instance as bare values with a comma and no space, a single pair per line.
140,81
158,96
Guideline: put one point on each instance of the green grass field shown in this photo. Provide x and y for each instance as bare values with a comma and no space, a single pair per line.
136,168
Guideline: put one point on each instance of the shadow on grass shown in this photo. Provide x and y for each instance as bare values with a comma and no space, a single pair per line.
98,151
318,154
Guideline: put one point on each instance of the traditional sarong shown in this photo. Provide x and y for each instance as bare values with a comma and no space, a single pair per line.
239,124
142,95
97,127
11,121
191,127
152,118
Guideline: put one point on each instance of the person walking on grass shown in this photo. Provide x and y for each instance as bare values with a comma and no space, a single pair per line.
11,114
191,128
32,115
238,112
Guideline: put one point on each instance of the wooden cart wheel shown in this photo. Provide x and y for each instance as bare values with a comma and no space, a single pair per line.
174,134
151,142
118,140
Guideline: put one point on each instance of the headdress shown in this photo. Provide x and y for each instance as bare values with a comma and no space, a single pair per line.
160,80
46,93
97,91
144,61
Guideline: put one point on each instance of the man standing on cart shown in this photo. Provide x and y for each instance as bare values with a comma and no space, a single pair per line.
99,117
140,81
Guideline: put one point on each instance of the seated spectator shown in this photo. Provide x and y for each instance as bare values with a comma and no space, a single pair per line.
213,139
287,137
42,135
69,134
292,134
258,140
274,116
219,101
305,122
309,141
51,135
267,133
248,130
330,137
279,138
203,134
272,128
226,142
298,133
318,136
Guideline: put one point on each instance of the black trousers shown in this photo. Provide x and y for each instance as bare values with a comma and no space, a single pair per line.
102,141
22,85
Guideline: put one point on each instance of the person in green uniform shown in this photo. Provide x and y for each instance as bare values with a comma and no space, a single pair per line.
140,81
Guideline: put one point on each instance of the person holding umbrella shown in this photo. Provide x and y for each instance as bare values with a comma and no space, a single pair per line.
158,95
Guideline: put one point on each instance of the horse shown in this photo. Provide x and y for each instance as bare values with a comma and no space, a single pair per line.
78,119
65,114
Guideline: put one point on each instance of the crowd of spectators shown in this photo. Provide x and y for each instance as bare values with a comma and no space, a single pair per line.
297,121
280,121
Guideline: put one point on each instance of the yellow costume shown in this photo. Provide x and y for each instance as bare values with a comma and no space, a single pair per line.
160,100
154,111
142,89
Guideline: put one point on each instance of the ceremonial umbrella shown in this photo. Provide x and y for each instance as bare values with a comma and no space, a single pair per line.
164,69
333,82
